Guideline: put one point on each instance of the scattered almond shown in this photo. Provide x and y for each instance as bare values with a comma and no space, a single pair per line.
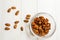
13,7
21,28
17,12
7,24
16,22
6,28
15,26
28,15
9,10
27,18
26,21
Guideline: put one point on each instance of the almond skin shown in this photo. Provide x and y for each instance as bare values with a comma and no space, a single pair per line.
27,17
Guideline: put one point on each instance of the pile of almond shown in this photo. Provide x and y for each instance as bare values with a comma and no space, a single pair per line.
41,26
16,22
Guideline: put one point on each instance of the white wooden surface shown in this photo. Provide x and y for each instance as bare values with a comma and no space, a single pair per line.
26,7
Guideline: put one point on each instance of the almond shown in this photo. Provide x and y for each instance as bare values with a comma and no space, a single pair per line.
28,15
15,26
6,28
21,28
9,10
17,12
7,24
13,7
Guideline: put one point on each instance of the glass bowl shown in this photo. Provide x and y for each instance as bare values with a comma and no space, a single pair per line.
51,20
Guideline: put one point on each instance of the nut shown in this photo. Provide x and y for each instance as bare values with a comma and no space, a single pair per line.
26,21
35,26
13,7
16,22
27,18
7,24
17,12
15,26
36,31
21,28
28,15
9,10
6,28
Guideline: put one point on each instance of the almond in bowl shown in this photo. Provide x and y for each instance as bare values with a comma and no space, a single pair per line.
42,25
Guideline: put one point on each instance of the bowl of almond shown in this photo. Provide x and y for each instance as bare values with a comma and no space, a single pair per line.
42,25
